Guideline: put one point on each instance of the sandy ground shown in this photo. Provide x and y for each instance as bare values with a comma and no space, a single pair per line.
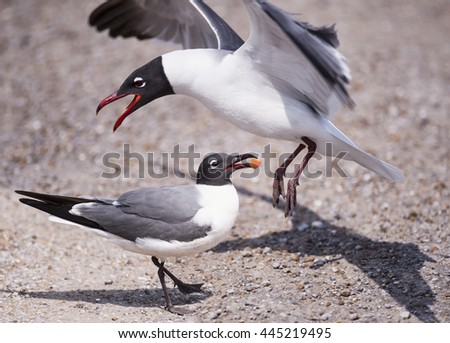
359,249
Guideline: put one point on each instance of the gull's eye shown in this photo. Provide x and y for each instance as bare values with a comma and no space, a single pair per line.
139,82
213,163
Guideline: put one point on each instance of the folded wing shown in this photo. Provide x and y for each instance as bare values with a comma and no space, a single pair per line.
159,213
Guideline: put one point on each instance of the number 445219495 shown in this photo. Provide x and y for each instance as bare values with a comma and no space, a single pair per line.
296,333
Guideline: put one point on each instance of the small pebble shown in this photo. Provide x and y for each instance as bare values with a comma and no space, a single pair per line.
246,254
318,262
108,282
214,315
346,293
367,177
302,227
295,258
317,224
325,316
266,250
354,316
276,265
405,315
249,287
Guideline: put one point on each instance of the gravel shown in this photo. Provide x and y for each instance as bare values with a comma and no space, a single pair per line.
405,315
357,248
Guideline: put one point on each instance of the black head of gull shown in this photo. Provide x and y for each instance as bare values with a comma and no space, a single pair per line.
147,83
216,169
162,222
286,81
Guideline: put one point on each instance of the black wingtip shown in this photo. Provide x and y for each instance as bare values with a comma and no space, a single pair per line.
54,199
27,201
26,193
120,18
56,206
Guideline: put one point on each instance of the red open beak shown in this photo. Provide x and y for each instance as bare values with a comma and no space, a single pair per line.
130,108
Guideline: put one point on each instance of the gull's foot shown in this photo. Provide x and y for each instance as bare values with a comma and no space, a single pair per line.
187,288
178,310
291,197
278,187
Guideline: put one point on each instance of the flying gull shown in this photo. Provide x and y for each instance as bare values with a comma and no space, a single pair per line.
286,81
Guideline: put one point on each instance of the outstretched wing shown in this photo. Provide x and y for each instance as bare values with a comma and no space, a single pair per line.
301,60
191,23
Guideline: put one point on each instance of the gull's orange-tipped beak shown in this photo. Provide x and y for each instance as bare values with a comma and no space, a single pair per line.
130,108
245,161
254,163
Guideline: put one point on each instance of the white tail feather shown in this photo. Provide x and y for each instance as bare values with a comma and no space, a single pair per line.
376,165
361,157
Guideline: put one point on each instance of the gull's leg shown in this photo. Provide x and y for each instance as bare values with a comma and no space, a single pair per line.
184,288
291,196
278,181
169,305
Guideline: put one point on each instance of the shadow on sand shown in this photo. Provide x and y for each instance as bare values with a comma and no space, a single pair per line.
130,297
395,267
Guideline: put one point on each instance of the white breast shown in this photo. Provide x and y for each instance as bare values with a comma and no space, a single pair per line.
220,208
220,205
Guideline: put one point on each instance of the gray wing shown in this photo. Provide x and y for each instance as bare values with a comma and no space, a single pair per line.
300,59
162,213
191,23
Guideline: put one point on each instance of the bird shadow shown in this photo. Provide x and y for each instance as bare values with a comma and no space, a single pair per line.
132,297
394,266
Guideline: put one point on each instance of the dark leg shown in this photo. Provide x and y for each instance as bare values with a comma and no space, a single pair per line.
291,196
183,287
278,181
169,305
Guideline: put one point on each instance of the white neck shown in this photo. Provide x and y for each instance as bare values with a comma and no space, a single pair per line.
190,72
220,206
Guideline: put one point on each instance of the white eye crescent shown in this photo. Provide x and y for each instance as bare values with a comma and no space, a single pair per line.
139,82
213,163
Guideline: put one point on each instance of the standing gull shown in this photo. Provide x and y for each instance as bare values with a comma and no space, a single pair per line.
286,81
161,222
